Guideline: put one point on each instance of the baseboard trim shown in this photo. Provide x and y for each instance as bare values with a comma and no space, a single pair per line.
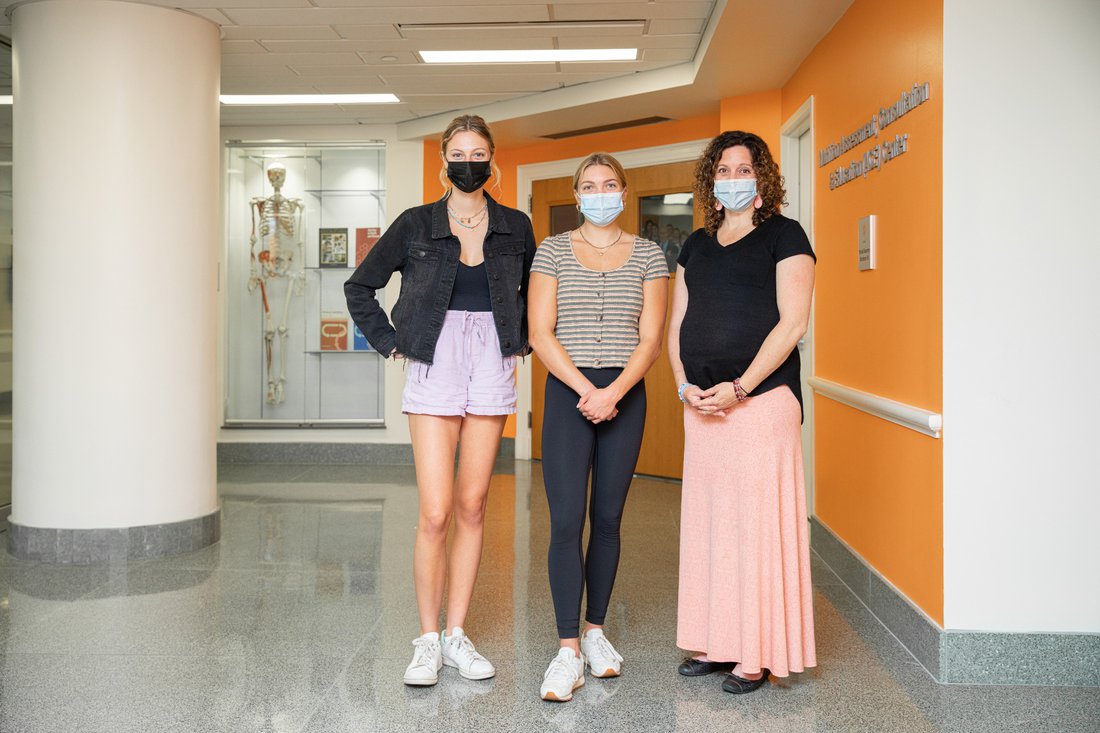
389,454
92,546
961,657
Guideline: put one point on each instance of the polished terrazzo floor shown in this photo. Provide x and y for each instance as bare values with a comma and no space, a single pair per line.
300,619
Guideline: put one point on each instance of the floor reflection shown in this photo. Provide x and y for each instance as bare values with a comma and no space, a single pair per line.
300,619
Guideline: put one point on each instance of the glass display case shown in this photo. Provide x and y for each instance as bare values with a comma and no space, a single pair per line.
300,217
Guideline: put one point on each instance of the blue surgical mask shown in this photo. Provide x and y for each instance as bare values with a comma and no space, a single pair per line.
735,194
601,208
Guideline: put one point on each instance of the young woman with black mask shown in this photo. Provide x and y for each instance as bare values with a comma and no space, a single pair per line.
460,322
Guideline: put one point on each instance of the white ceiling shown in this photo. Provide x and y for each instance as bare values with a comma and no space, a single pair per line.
337,46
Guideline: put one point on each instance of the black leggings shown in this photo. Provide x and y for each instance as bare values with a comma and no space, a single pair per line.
571,445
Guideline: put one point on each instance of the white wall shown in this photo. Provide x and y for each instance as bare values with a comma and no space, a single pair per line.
404,188
1021,258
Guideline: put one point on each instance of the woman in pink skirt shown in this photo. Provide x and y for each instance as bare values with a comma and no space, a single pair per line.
741,302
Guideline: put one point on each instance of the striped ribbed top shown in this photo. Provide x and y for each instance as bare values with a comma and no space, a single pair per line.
598,312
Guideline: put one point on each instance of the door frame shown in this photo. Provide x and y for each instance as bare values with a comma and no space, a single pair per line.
525,175
797,125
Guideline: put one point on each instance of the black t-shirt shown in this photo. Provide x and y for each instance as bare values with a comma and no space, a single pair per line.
732,303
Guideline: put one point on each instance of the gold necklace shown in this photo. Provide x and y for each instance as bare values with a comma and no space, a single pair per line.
603,249
465,221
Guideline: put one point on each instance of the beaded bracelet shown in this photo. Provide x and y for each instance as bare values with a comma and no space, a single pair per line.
680,392
738,390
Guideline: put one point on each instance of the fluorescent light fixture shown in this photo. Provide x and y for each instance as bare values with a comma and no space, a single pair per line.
282,99
532,56
6,99
673,199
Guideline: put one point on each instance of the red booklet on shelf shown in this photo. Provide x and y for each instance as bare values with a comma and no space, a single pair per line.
365,239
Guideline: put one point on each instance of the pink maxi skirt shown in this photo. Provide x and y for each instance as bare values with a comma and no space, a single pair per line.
745,592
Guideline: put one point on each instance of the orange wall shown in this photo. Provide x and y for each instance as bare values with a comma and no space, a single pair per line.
878,486
664,133
760,113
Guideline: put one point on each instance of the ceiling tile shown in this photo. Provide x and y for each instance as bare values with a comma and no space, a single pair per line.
404,58
443,83
200,4
673,26
668,54
211,14
279,33
336,46
383,15
233,47
471,71
616,11
645,42
293,59
491,32
317,73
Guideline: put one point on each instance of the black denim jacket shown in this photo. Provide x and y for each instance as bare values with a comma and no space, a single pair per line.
421,247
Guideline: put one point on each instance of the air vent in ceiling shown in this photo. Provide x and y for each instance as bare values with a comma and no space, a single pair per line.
605,128
533,28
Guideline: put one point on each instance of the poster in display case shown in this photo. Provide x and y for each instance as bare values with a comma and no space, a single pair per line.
292,358
365,239
333,248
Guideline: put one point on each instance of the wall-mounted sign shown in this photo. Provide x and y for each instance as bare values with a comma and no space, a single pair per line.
865,243
882,153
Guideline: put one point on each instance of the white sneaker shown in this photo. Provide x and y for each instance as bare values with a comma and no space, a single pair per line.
458,651
602,658
423,670
565,674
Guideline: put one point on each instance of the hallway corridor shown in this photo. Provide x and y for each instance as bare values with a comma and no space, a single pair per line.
300,619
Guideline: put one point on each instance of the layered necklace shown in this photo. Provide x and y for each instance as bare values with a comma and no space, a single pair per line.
601,250
474,220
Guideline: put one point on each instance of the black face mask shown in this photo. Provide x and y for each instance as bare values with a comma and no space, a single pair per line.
468,175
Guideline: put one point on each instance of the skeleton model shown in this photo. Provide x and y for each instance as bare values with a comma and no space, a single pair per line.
279,231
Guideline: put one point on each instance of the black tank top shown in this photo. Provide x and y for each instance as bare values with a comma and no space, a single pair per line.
471,289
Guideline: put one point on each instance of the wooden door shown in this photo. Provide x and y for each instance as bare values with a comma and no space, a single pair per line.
549,197
663,443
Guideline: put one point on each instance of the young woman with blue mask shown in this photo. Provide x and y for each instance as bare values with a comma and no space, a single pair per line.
596,313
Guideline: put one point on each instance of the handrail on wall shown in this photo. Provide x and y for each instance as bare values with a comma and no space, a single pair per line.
914,418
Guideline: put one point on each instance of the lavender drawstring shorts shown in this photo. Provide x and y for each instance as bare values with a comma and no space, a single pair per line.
468,374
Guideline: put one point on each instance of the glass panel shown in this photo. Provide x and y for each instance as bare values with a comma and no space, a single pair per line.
293,355
666,220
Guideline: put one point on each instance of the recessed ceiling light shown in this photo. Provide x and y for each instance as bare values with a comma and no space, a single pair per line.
281,99
5,99
531,56
389,58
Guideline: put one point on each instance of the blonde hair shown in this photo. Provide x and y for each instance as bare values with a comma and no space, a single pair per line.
600,159
468,123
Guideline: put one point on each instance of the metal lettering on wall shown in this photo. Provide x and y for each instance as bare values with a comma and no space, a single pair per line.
882,153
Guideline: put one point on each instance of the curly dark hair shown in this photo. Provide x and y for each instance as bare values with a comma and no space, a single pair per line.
769,184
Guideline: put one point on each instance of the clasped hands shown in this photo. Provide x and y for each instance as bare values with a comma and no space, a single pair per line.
714,401
599,405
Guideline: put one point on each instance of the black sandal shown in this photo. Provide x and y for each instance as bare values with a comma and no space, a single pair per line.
739,685
692,667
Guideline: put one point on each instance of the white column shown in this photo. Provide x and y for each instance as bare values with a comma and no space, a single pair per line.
116,220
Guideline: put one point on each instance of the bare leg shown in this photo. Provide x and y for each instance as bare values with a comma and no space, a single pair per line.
434,439
480,440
